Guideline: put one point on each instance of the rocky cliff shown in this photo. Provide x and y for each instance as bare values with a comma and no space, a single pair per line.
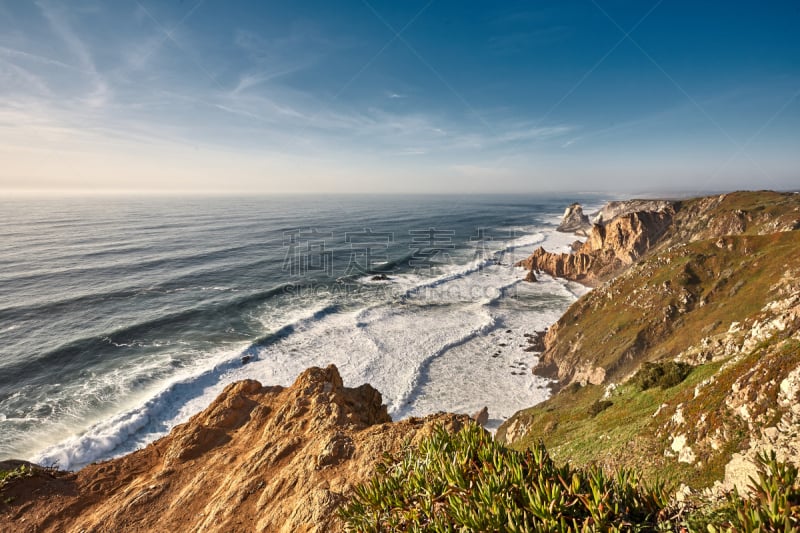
257,459
680,251
609,247
616,209
716,290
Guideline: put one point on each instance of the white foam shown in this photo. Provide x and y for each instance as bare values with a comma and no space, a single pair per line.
145,421
427,346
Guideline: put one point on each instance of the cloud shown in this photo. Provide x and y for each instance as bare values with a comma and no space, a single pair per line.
58,20
22,79
12,53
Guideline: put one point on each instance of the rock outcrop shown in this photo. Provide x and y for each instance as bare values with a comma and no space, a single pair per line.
627,237
575,266
609,247
715,290
482,416
574,221
616,209
257,459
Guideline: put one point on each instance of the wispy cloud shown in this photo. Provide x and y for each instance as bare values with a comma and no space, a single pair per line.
58,19
12,53
24,80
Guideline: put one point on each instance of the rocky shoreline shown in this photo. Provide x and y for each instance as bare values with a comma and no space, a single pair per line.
710,283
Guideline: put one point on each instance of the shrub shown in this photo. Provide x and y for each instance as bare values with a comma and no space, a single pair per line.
7,476
599,406
467,482
664,374
773,505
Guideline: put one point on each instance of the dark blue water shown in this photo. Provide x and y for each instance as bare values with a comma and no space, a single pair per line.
120,316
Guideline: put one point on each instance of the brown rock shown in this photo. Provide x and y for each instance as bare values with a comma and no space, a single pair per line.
482,416
574,221
570,266
257,459
608,248
536,341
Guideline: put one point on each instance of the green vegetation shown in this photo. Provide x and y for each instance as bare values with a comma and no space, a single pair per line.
625,434
774,503
671,300
7,476
467,482
663,374
599,406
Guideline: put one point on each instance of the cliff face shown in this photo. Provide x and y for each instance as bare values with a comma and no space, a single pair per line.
608,248
667,262
717,290
576,267
257,459
613,210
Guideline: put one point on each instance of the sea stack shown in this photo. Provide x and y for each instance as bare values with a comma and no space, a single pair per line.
574,221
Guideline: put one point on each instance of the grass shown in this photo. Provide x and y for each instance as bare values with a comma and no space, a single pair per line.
640,317
566,425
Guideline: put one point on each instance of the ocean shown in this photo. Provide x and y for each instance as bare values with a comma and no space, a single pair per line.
121,317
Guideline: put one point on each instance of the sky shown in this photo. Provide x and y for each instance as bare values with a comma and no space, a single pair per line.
401,96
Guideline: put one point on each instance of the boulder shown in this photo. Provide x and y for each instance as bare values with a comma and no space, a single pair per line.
482,416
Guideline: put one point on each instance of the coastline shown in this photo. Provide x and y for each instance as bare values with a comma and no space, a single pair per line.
328,438
174,403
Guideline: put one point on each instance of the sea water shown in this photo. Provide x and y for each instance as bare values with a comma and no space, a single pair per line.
123,316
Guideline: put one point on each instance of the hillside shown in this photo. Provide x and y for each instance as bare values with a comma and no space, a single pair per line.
717,290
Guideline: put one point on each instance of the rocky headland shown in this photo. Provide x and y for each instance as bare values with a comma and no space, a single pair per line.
257,459
710,284
620,236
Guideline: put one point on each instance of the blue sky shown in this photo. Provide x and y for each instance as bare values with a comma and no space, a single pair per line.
398,96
